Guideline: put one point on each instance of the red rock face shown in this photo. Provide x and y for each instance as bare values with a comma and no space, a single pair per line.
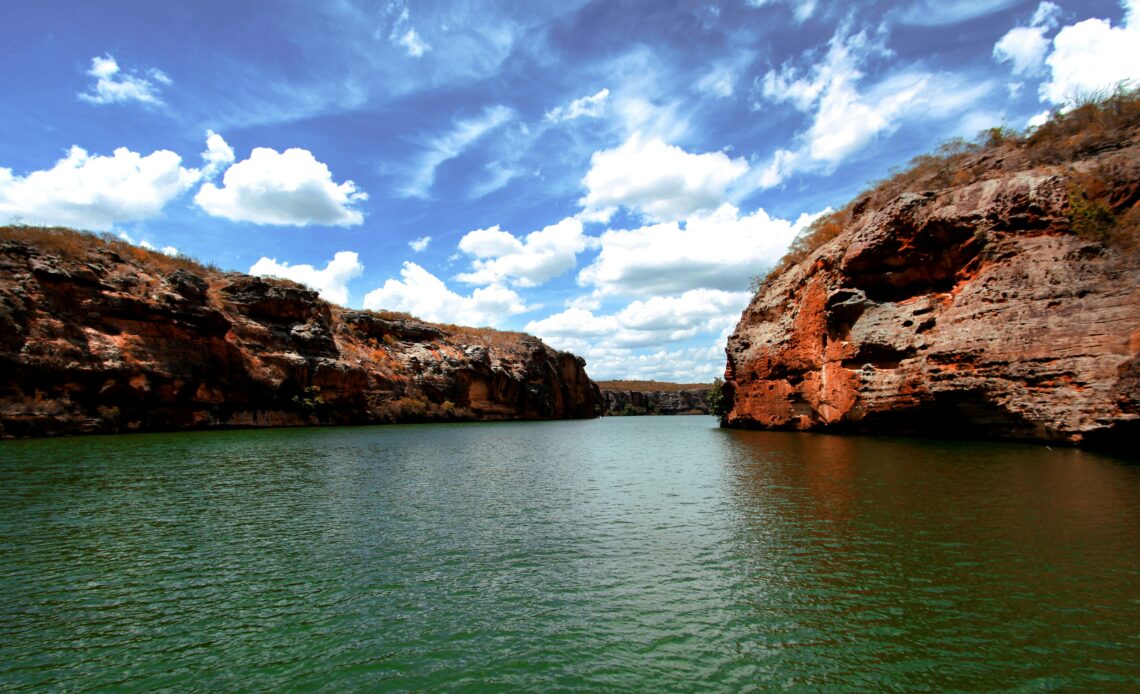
973,310
96,339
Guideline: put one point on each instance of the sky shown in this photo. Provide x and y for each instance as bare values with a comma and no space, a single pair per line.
608,175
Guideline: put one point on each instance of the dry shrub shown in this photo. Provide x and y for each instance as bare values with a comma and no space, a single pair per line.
77,245
1099,122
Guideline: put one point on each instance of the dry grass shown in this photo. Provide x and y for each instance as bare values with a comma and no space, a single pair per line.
1099,122
78,245
487,337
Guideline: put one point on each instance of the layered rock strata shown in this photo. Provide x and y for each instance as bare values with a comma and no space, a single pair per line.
973,310
99,336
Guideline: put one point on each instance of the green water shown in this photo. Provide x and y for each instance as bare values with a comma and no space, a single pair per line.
632,553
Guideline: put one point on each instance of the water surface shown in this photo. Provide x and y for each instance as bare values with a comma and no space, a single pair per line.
635,553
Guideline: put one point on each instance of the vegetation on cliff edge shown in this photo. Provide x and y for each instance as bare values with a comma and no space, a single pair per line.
1099,123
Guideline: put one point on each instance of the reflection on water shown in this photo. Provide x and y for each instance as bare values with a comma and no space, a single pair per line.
622,554
935,564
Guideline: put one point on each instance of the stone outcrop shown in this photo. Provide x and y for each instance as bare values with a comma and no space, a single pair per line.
972,309
100,336
664,402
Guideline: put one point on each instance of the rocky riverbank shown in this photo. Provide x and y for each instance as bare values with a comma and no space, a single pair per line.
993,291
97,335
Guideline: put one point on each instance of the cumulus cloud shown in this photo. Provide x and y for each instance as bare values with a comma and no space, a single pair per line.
286,188
1093,55
165,250
606,360
419,245
450,145
95,191
654,321
659,180
1025,47
585,107
423,294
501,258
331,282
112,85
720,250
218,154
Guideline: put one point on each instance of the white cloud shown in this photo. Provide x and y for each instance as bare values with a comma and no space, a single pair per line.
615,344
1038,120
662,181
331,282
719,250
112,85
1025,47
1046,15
1093,55
412,42
450,145
218,154
423,294
95,192
585,107
419,245
500,257
287,188
843,119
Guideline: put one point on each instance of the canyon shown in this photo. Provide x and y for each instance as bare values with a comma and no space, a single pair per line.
98,336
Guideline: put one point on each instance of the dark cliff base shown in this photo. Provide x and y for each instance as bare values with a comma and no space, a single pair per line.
991,291
98,336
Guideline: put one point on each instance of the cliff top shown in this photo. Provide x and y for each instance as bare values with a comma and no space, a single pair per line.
1101,123
107,253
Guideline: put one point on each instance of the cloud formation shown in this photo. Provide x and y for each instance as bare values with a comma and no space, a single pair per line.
1092,56
112,85
289,188
424,295
218,154
450,145
95,191
501,258
420,244
331,282
1025,47
720,250
843,119
658,180
585,107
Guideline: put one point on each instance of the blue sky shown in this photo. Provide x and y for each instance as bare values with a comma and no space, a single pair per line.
607,175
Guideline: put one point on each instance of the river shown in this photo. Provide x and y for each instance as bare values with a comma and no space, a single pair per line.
621,554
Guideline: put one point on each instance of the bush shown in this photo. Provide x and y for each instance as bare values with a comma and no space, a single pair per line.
1096,122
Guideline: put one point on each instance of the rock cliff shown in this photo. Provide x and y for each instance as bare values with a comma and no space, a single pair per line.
665,402
1001,301
100,336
